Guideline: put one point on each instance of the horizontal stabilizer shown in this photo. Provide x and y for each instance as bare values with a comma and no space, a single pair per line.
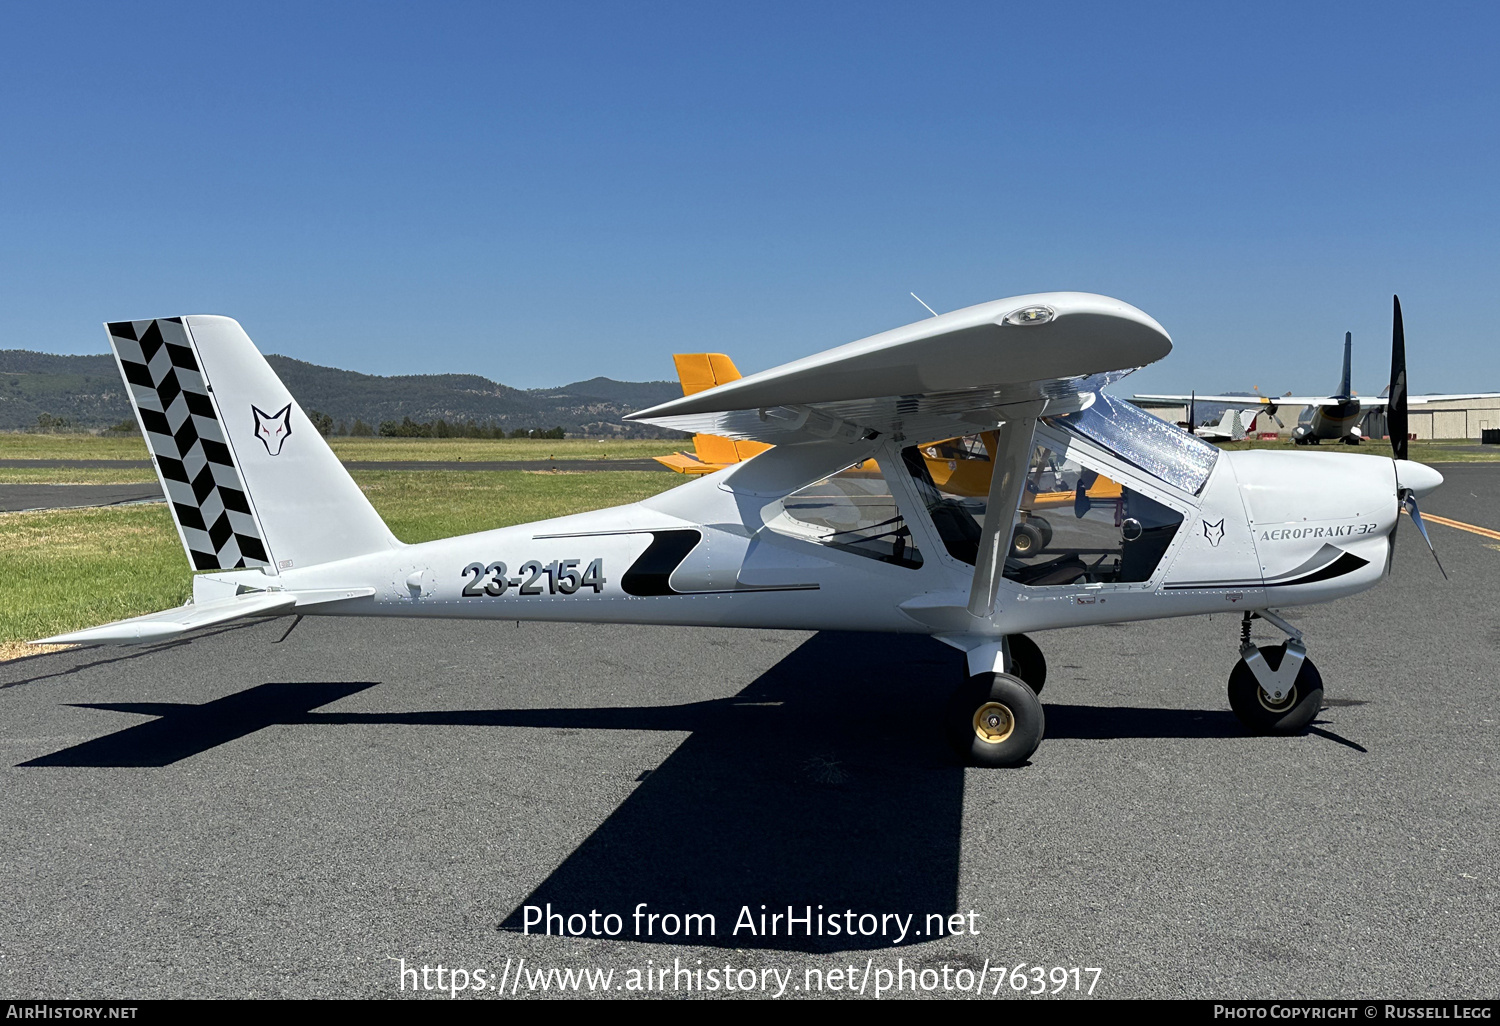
171,622
684,463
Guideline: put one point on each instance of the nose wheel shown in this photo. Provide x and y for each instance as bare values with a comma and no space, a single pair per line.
995,719
1274,689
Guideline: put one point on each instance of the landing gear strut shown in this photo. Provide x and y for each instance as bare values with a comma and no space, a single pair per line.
1274,689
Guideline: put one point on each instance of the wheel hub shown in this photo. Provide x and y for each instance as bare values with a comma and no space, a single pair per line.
1276,707
993,723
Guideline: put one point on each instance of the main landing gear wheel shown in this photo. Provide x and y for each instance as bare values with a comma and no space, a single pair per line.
1027,661
995,719
1027,541
1261,715
1043,525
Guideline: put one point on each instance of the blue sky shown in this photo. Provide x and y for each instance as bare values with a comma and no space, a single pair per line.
541,193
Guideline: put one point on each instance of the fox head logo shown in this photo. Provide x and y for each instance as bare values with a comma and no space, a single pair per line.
1213,532
273,429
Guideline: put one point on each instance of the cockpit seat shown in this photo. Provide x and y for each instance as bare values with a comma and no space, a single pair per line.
1062,570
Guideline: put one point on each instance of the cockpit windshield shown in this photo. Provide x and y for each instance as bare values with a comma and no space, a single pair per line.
1163,450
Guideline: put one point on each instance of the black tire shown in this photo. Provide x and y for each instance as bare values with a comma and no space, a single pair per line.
1041,524
1258,713
995,719
1027,661
1026,542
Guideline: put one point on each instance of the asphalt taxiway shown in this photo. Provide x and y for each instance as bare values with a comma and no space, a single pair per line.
256,813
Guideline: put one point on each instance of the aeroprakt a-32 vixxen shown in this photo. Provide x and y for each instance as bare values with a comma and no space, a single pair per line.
809,534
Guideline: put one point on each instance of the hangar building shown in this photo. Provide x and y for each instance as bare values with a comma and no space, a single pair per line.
1458,418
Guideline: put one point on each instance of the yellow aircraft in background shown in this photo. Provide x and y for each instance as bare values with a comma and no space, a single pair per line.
959,466
699,372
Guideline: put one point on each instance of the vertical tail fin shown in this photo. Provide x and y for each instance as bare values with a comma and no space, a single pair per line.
1344,392
699,372
249,479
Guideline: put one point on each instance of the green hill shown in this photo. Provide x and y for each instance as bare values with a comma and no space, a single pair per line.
87,393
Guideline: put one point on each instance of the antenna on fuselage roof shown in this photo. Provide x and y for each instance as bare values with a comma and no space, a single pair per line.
924,305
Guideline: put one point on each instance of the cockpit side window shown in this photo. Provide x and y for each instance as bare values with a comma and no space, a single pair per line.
1076,526
1162,450
956,512
853,511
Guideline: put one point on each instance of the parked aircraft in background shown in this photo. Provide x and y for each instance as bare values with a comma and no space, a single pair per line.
1342,416
1231,427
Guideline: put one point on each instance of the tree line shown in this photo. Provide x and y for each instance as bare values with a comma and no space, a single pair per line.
408,428
327,426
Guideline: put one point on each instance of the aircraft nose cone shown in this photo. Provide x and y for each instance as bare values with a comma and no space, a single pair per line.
1419,477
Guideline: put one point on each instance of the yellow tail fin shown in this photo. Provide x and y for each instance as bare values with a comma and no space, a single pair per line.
697,372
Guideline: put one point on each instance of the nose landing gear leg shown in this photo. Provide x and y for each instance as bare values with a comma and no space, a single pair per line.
1274,689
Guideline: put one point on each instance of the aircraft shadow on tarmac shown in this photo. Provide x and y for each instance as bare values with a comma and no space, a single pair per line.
825,781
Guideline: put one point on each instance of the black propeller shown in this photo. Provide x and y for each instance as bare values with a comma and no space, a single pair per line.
1192,411
1396,425
1395,411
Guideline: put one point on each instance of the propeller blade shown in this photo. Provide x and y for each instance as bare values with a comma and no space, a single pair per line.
1395,411
1409,503
1192,411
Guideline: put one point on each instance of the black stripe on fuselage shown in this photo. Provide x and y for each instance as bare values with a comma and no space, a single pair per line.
1347,563
651,573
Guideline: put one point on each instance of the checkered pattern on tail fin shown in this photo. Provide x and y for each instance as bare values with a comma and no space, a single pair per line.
218,526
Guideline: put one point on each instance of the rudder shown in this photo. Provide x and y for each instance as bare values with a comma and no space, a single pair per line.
250,481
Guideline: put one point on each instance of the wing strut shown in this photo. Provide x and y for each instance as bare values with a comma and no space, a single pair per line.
1012,456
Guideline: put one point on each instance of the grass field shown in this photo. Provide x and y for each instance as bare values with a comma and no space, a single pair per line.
74,568
20,446
67,569
126,474
440,449
420,505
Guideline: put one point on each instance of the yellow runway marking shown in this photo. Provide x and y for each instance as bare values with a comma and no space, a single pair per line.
1483,532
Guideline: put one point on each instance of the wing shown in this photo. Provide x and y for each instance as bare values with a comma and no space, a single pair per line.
947,375
1380,402
1418,400
1241,400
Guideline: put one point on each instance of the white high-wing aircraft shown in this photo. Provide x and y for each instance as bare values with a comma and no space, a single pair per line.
808,535
1334,417
1230,428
